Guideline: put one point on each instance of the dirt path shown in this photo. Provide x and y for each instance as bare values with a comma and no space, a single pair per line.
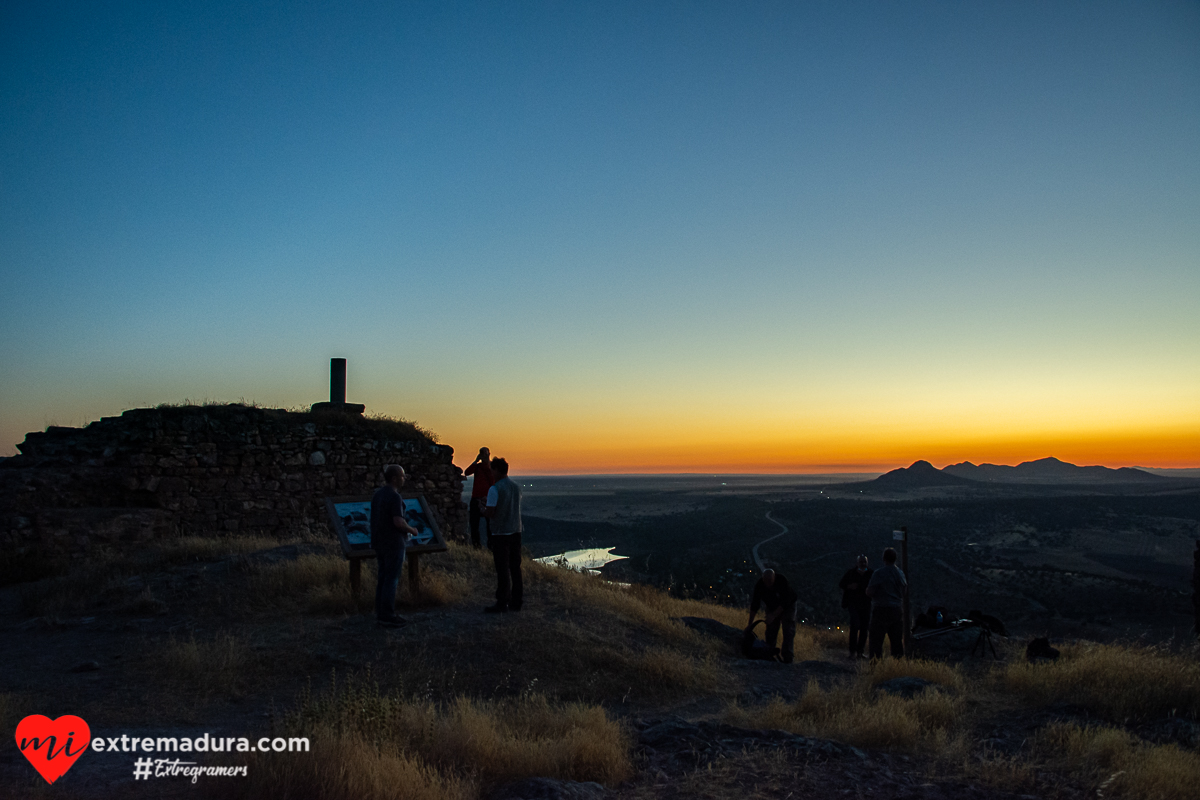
758,562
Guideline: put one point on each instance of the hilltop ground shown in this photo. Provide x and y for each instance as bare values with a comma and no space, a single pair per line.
593,685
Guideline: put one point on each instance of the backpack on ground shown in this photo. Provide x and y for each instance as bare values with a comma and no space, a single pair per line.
755,648
1040,648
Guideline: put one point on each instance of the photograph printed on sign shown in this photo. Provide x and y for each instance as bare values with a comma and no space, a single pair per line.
356,518
415,515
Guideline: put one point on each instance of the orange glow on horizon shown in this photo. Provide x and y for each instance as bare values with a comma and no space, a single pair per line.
1177,450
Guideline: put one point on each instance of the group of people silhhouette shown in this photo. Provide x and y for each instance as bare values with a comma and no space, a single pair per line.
874,599
495,511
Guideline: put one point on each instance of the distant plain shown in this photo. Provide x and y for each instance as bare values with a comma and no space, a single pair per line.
1103,562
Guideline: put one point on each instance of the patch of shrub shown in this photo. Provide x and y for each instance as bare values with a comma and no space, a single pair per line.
856,715
365,740
203,666
877,672
1120,682
83,588
1121,764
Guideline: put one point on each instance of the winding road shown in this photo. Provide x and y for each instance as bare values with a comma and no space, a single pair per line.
754,551
758,562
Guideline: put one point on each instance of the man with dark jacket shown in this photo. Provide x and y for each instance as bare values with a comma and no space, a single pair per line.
773,592
389,537
886,589
854,599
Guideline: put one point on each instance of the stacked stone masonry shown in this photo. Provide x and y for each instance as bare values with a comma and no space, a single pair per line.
223,470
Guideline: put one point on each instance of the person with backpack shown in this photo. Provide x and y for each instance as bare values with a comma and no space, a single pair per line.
773,592
854,599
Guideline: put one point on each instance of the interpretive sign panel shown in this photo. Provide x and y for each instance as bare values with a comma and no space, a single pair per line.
350,518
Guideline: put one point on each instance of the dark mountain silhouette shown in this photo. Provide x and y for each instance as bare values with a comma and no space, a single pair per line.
1048,470
921,474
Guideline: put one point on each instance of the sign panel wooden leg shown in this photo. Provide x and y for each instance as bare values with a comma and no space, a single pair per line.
414,575
355,576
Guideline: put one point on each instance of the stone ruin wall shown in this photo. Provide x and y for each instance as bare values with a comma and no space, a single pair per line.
224,470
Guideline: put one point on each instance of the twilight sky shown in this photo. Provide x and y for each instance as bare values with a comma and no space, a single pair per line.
616,237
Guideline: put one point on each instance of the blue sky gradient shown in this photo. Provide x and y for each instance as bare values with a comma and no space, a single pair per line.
562,227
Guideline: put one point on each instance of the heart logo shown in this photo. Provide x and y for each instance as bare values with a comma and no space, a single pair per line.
53,745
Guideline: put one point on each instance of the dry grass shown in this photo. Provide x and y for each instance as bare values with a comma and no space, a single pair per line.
377,425
370,744
83,589
326,586
346,766
296,577
1120,764
337,598
828,638
653,608
438,588
1119,682
209,548
856,714
209,666
106,577
144,603
1007,772
14,708
935,671
672,670
750,774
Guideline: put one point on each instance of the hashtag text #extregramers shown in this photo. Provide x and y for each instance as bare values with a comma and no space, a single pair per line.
165,768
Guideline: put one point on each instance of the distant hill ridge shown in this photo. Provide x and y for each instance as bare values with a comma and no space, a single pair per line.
922,474
919,475
1049,470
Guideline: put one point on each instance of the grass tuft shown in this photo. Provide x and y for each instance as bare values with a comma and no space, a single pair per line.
346,765
297,577
209,666
937,672
84,588
371,744
1119,682
673,670
183,549
1120,764
856,715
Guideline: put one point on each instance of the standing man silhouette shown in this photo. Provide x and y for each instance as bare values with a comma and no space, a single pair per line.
389,537
886,589
854,599
503,508
481,468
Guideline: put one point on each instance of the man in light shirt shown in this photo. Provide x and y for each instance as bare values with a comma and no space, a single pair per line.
503,510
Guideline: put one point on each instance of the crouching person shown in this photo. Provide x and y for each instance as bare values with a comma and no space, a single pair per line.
773,592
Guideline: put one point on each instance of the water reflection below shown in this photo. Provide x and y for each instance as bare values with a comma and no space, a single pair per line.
591,559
